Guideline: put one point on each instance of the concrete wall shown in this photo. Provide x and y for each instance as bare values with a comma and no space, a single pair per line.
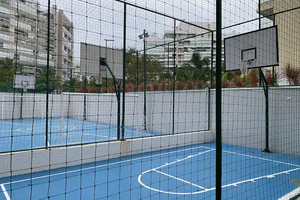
38,160
190,110
285,120
243,124
243,118
34,105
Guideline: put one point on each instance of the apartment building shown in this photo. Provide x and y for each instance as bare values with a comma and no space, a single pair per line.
64,42
24,36
288,28
190,40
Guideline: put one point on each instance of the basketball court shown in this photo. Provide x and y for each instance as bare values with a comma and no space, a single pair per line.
178,173
26,134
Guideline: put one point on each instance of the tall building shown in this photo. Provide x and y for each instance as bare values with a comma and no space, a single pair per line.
288,28
190,40
24,36
64,42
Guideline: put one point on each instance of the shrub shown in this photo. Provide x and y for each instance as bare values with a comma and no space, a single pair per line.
269,77
237,81
149,87
252,77
292,74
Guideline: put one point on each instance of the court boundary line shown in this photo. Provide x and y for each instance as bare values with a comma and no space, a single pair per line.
161,154
182,180
103,165
223,186
96,124
5,192
290,195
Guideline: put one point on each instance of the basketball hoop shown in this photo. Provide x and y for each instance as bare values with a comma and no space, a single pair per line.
245,67
24,88
24,85
24,82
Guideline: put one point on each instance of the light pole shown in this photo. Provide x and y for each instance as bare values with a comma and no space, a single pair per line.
143,37
106,40
137,71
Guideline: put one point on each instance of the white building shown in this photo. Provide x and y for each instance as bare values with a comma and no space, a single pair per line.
24,36
190,40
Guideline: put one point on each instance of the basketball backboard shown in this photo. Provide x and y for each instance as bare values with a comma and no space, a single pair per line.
90,61
256,49
24,82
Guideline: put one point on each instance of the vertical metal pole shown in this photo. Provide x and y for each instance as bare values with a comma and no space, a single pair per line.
137,71
266,91
84,98
259,26
211,81
273,68
145,82
174,76
47,80
71,81
212,60
124,73
259,11
107,61
218,99
267,118
168,65
21,109
119,114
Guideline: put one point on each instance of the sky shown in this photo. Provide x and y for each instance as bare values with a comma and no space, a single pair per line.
97,20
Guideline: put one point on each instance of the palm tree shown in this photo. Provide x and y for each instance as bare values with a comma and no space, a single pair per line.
202,70
8,69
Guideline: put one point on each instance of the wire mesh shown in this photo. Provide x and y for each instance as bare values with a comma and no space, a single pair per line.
131,100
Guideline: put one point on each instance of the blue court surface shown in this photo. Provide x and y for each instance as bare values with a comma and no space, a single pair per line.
179,173
23,134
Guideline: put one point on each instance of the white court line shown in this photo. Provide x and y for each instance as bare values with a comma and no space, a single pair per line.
104,165
179,179
228,185
179,160
10,123
96,124
291,194
5,192
171,152
167,164
260,158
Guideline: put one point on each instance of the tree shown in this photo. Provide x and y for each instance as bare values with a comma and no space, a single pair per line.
135,68
41,81
198,69
202,71
8,69
70,85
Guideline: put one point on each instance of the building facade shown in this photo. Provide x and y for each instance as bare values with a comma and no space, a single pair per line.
64,42
190,40
24,36
288,28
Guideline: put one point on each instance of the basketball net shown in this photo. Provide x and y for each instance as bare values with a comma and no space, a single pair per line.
24,88
245,67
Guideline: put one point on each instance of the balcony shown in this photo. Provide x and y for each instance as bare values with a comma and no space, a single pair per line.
267,8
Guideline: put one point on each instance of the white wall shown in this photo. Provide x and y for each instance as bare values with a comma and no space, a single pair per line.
34,105
191,109
243,118
38,160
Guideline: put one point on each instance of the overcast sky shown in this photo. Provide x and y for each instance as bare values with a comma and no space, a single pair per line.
97,20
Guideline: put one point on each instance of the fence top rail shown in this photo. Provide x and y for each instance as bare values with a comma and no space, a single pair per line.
98,94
